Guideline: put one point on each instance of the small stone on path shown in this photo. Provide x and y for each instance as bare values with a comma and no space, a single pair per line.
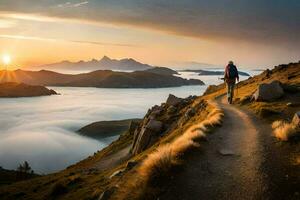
226,152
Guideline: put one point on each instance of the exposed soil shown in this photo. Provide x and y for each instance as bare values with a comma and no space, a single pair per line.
113,160
240,160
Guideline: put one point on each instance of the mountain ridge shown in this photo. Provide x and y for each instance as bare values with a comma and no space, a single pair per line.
98,78
105,63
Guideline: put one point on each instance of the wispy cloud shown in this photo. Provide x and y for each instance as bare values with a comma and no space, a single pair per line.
4,23
255,21
80,4
26,16
25,37
72,5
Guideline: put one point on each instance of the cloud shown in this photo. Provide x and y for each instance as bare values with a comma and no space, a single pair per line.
267,22
72,5
80,4
25,37
4,23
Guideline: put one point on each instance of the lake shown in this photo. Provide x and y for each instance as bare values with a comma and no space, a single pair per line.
42,130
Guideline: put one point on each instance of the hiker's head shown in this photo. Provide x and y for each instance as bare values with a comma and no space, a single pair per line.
230,62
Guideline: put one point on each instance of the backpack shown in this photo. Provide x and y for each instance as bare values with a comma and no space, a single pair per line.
232,72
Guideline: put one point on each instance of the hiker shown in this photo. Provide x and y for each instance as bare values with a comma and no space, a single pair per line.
230,76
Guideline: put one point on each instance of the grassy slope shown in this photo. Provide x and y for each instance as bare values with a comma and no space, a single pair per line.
270,111
84,180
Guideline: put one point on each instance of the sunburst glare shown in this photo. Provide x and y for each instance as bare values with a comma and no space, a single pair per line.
6,59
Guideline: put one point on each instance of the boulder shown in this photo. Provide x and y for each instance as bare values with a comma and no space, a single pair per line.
154,125
173,100
296,119
268,92
146,136
190,113
143,140
290,88
171,110
107,193
133,126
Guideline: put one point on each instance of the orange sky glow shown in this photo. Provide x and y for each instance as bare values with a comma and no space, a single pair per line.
50,36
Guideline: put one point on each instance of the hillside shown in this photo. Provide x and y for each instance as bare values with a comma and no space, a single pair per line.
105,63
89,178
103,129
100,78
12,176
162,71
11,89
282,107
165,155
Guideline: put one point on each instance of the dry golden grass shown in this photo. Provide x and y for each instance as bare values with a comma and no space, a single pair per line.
167,156
284,130
158,162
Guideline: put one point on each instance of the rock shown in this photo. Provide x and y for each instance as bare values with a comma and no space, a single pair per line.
173,100
147,136
190,113
143,140
107,193
131,164
290,88
133,126
268,92
117,173
154,125
296,119
226,152
155,111
171,110
267,74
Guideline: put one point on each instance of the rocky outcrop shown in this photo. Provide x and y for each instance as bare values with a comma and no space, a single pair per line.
147,135
172,100
160,120
268,92
290,88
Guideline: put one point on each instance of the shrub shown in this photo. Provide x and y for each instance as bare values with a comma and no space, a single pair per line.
285,131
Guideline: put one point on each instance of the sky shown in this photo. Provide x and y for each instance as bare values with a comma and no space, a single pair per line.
253,33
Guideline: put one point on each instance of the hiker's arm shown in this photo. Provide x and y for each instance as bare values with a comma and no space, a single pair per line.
237,75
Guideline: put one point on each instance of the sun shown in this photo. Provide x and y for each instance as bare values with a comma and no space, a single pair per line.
6,59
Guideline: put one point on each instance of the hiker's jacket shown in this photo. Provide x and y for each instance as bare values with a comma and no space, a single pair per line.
231,73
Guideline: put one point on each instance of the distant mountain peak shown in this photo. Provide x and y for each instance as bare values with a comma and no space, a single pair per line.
105,58
105,63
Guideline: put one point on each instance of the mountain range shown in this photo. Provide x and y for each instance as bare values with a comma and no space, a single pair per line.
105,63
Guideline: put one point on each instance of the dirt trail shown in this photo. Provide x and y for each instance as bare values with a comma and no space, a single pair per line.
239,161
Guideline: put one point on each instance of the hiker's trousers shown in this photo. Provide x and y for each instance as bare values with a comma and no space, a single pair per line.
230,90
